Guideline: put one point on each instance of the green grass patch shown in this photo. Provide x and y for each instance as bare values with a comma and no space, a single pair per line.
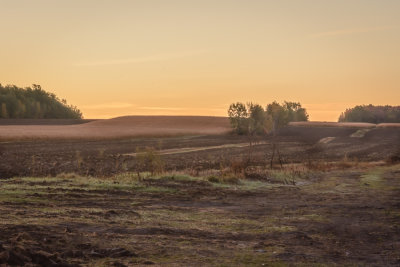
373,179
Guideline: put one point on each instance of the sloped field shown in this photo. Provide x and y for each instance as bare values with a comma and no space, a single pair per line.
121,127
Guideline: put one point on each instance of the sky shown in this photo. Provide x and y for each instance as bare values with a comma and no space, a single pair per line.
195,57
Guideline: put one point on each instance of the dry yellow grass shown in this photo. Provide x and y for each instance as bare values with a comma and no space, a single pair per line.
121,127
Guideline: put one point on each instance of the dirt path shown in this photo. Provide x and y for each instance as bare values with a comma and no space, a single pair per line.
196,149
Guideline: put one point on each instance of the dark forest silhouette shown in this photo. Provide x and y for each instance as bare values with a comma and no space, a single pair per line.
34,103
371,114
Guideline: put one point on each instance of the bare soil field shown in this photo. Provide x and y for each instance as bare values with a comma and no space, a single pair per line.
324,218
43,121
332,198
120,127
105,157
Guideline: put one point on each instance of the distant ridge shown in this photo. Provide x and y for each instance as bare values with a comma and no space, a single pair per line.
120,127
43,121
164,120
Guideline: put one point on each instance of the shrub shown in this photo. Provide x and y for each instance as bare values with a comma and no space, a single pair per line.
394,158
148,160
228,179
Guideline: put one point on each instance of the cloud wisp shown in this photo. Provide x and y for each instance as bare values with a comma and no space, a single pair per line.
152,58
160,108
351,31
112,105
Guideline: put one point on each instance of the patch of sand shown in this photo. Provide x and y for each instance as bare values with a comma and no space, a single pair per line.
326,140
360,133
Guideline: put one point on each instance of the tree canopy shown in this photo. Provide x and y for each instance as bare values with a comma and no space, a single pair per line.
371,114
34,103
254,119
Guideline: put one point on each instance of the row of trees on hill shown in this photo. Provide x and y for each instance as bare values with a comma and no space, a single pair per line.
371,114
253,119
34,103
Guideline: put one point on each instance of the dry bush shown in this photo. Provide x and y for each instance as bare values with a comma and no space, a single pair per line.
226,179
318,165
69,175
394,158
148,160
256,173
79,159
238,166
347,162
286,176
195,171
324,166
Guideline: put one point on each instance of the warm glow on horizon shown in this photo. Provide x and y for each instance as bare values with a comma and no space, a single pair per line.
169,57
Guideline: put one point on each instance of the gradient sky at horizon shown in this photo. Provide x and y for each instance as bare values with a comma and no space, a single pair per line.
170,57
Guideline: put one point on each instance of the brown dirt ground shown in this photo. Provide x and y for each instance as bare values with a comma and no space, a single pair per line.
339,206
339,217
108,157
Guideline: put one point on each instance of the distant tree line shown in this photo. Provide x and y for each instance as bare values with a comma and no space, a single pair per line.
253,119
34,103
371,114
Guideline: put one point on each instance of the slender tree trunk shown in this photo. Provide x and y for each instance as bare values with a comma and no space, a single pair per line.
250,147
280,158
273,154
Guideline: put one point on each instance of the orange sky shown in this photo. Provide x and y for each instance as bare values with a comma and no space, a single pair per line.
121,57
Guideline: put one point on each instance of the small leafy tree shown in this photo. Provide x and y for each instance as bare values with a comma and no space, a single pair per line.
247,119
281,114
257,119
4,113
238,117
295,112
